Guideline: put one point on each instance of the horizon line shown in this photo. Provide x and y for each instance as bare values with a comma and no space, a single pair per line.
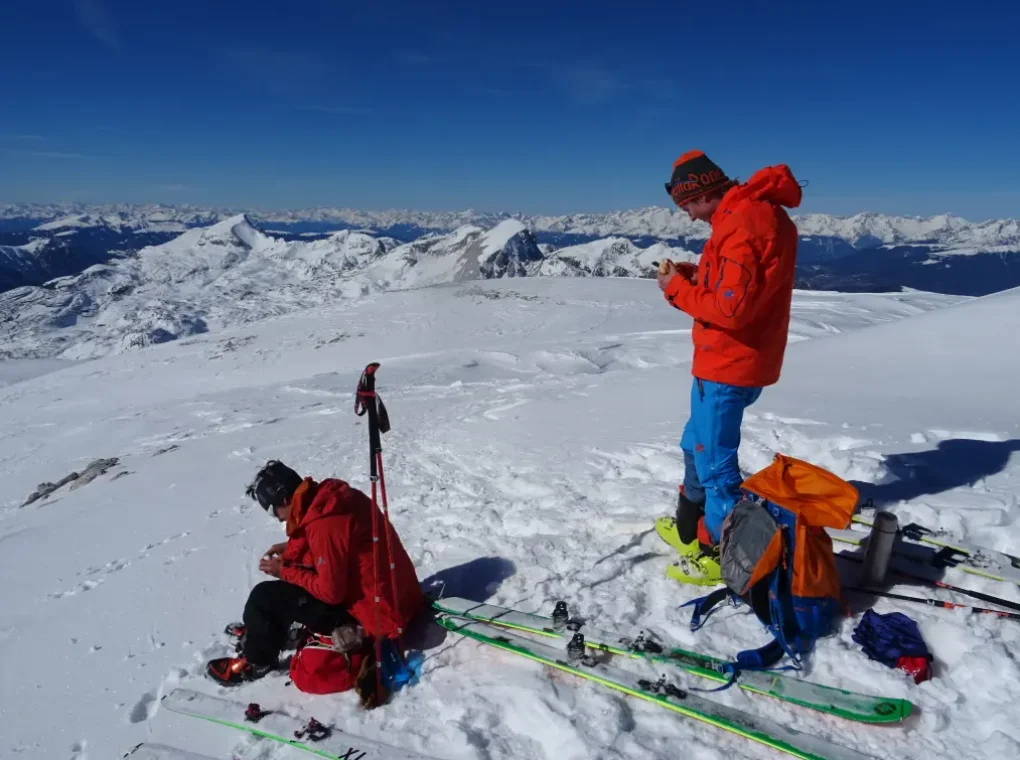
508,214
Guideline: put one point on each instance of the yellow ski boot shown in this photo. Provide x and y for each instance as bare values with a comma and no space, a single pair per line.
666,528
695,567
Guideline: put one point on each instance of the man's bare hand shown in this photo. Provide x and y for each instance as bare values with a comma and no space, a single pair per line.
276,550
271,566
667,271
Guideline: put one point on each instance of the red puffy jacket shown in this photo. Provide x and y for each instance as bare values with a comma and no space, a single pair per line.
329,554
741,301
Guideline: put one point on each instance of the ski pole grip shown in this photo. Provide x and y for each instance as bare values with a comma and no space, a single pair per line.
366,385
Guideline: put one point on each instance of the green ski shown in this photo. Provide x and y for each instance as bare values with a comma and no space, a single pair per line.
827,699
660,691
324,741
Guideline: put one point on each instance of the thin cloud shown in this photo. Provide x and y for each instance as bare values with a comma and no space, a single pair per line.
52,154
336,110
98,20
13,137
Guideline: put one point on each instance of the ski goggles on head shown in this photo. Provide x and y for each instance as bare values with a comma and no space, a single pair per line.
273,486
258,492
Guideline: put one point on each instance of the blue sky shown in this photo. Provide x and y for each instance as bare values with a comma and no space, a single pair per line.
548,107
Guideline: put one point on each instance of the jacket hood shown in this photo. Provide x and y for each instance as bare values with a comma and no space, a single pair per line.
312,501
773,184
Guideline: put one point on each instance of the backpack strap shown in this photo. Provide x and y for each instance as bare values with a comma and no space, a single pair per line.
780,613
705,605
752,659
762,658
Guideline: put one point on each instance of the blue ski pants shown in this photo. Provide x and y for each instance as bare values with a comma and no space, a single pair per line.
710,442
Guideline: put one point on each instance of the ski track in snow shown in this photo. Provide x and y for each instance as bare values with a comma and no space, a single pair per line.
534,442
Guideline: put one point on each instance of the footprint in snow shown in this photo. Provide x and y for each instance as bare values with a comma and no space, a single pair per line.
149,547
81,587
177,557
145,708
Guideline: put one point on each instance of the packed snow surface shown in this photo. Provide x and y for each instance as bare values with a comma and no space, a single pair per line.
534,442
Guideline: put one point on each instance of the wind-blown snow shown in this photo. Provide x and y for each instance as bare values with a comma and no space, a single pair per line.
534,438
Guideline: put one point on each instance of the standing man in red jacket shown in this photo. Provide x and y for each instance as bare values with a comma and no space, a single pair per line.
739,296
326,571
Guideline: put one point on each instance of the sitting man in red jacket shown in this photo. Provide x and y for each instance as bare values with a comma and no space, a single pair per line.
739,296
327,573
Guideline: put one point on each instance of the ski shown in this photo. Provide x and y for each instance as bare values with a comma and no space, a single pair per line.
977,559
983,565
307,734
661,691
162,752
827,699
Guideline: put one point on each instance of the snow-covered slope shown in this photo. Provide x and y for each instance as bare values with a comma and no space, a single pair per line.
225,274
953,358
534,443
467,253
20,263
610,257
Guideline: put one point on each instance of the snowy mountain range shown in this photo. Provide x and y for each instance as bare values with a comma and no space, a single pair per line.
233,273
865,230
127,278
65,216
117,277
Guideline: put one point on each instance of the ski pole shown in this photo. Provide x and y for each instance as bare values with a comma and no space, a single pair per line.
900,568
934,602
364,401
367,401
978,595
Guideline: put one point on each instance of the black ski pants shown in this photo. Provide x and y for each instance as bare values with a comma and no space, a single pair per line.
271,609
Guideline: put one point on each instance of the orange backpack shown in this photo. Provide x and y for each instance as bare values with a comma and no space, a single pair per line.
777,558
